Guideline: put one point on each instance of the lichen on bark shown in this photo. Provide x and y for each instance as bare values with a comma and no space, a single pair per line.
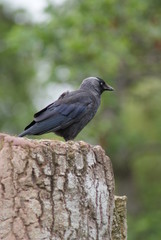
119,227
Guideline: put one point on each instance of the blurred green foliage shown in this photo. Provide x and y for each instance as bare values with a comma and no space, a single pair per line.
120,41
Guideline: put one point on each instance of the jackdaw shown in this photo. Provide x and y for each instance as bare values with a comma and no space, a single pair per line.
68,115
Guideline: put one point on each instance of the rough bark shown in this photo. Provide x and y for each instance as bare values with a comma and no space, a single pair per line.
119,226
50,190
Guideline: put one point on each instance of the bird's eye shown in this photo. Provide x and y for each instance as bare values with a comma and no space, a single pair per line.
101,83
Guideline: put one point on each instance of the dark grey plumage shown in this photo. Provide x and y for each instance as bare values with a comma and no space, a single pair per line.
68,115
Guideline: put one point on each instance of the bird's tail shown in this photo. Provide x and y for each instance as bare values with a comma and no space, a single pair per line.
27,130
24,133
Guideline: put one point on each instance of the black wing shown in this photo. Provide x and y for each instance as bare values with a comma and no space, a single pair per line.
62,113
50,105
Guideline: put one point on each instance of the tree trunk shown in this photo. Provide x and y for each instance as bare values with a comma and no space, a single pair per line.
51,190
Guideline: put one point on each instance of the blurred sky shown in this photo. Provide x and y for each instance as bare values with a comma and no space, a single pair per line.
35,8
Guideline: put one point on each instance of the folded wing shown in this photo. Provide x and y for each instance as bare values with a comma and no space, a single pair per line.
60,114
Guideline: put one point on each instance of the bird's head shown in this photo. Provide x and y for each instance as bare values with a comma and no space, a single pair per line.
95,84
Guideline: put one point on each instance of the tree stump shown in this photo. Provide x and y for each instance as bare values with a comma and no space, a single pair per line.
119,226
51,190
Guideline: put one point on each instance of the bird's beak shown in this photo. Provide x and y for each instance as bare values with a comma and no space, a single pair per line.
108,88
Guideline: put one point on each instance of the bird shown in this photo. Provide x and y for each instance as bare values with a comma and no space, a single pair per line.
71,112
